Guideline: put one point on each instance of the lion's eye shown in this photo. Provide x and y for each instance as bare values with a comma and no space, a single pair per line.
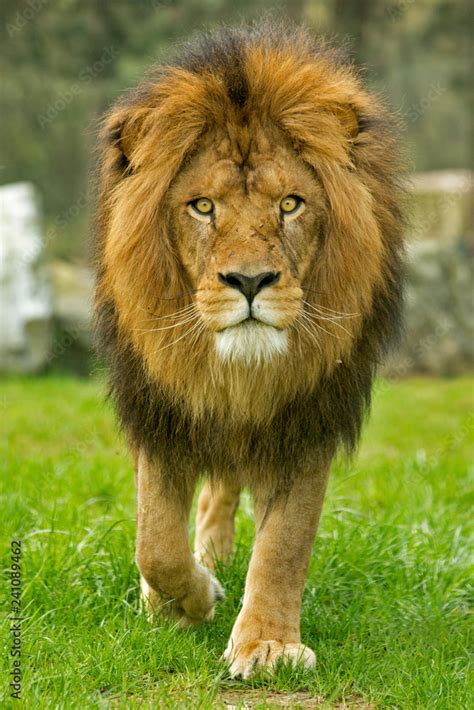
203,206
291,204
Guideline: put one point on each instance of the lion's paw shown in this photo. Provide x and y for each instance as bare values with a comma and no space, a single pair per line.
246,658
196,606
199,604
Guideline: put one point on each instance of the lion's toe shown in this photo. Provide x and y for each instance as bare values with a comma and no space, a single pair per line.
219,592
247,658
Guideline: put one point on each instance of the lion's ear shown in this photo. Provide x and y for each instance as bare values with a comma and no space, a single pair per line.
350,120
124,130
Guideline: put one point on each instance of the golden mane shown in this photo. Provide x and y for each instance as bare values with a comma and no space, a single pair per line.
232,80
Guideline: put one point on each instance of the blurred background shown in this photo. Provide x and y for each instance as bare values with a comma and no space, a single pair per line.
64,61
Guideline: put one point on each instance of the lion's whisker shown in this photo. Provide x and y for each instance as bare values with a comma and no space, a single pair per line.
310,333
339,314
191,318
338,325
324,314
147,310
182,311
314,318
314,322
196,336
188,332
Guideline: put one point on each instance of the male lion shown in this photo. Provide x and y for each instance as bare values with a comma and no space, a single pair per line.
249,250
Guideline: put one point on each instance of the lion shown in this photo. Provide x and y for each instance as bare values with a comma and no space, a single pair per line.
249,282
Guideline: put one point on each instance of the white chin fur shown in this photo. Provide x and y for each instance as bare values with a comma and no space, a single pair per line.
251,343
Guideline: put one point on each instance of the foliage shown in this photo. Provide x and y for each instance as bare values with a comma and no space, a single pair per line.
386,606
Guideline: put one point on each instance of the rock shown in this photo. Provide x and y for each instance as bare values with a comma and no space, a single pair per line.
440,206
72,288
439,310
439,314
25,299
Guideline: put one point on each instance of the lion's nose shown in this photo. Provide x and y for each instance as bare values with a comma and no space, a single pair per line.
249,285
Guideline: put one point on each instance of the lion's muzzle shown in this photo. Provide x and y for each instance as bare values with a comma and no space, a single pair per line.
249,286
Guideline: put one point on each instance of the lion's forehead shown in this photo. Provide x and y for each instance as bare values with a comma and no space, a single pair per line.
268,170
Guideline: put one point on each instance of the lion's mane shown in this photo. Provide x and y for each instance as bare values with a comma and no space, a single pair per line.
307,90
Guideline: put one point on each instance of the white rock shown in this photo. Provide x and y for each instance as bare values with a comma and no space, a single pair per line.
25,302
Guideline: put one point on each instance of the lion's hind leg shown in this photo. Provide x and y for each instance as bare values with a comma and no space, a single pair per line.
215,516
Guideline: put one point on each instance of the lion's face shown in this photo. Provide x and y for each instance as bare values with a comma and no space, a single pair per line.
247,220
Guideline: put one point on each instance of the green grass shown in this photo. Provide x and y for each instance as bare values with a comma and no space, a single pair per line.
386,606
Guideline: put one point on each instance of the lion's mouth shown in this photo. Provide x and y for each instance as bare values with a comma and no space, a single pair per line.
250,322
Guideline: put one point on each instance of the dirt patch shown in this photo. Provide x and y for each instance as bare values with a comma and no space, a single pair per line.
262,699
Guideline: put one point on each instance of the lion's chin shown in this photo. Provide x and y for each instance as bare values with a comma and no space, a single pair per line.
251,342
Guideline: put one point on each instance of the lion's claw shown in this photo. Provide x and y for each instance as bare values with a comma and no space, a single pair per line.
245,659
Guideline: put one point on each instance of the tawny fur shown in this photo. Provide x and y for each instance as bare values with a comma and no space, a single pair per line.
244,117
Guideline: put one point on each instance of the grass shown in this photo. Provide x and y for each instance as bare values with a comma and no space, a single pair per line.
386,607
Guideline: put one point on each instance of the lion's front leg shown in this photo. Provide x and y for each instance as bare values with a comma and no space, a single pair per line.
215,516
268,626
171,579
